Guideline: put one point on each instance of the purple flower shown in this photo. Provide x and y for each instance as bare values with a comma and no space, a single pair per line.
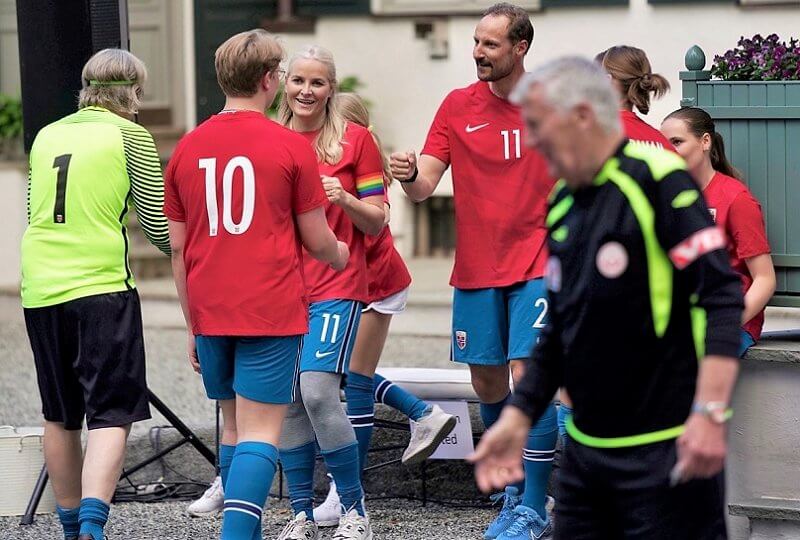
759,58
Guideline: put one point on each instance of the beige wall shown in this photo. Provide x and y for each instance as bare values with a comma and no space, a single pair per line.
406,86
9,49
13,208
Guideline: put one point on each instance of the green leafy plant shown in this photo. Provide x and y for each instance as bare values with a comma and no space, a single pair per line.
759,59
10,117
347,84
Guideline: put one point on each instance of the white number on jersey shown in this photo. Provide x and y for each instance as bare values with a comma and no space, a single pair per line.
540,320
248,194
507,143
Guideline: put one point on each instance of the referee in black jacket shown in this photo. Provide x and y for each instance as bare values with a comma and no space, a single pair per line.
644,327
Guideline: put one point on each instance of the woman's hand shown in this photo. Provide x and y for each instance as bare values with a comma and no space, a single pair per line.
334,191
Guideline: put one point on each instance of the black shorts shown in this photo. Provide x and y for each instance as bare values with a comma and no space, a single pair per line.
625,494
89,356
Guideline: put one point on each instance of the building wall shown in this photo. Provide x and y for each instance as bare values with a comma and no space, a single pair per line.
13,208
406,85
157,36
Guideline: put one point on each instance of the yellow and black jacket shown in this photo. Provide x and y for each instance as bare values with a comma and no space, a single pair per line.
640,288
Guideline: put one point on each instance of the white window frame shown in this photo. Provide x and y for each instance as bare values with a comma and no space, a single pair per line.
442,7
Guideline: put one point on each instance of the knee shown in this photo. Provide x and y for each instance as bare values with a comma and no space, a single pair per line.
490,388
517,371
319,404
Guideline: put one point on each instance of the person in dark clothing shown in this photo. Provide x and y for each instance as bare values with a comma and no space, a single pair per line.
643,334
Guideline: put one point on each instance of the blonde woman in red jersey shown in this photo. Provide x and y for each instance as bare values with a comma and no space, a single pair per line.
733,207
633,77
351,171
389,281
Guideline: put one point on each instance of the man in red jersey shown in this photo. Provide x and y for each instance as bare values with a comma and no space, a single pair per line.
242,195
500,189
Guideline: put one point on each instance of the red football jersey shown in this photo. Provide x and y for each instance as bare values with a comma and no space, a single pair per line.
738,213
237,181
388,273
500,189
638,130
361,173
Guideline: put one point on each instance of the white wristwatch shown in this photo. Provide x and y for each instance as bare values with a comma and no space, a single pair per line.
716,411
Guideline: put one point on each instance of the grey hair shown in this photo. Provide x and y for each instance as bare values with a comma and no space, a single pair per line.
113,79
571,80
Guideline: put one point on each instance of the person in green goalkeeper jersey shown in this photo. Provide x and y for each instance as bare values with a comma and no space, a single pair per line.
87,172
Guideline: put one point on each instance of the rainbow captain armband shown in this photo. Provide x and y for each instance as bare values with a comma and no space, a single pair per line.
369,185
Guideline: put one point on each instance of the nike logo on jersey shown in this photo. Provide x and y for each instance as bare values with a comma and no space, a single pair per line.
323,355
471,129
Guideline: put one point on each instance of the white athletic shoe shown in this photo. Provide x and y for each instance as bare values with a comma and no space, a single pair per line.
353,526
328,513
428,434
210,503
300,528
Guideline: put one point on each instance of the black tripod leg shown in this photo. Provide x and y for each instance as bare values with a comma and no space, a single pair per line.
182,428
36,496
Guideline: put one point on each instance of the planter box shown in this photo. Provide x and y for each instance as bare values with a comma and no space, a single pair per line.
760,122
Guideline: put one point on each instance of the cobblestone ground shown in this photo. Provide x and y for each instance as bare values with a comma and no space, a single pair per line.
170,377
394,519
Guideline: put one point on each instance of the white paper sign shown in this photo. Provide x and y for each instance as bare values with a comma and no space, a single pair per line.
458,444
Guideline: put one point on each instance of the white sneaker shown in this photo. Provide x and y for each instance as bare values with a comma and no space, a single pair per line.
353,526
428,434
210,503
300,528
328,513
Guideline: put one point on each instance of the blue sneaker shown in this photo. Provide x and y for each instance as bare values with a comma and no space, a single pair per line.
528,525
503,521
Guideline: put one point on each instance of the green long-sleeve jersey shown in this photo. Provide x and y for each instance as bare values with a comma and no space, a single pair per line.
87,170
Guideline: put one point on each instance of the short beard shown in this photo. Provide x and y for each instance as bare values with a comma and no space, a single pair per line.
496,73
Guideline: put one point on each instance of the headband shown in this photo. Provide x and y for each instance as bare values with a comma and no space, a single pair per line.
111,83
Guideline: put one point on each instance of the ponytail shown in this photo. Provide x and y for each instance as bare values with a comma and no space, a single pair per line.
640,89
699,122
353,109
630,67
718,158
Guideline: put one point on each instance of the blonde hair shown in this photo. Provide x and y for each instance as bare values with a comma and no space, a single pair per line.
354,110
328,144
243,60
113,79
631,68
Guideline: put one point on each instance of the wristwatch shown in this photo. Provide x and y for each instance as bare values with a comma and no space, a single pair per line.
412,179
716,411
